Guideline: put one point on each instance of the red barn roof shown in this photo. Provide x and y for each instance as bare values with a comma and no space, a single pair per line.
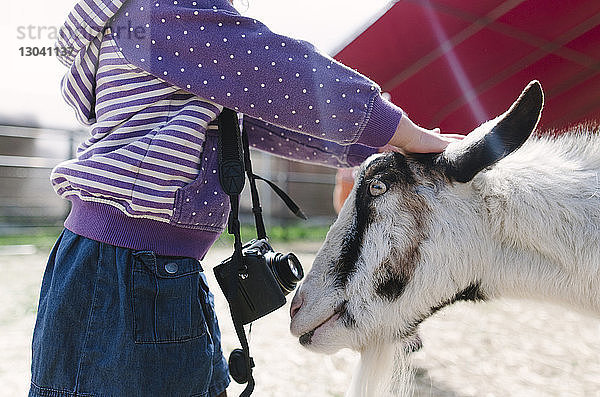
456,63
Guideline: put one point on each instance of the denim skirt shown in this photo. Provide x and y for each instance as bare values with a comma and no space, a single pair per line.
117,322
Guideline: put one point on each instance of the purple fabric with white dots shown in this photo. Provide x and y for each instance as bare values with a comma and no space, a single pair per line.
209,49
147,178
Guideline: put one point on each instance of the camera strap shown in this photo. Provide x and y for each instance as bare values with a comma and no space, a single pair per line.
232,180
256,208
234,159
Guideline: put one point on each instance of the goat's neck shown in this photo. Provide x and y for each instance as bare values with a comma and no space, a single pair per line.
516,273
545,240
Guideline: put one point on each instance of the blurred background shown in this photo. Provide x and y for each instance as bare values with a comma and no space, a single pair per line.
448,63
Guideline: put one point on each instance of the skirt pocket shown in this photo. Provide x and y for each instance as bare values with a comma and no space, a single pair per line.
166,308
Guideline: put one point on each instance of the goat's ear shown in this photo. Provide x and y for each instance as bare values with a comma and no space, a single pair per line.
495,139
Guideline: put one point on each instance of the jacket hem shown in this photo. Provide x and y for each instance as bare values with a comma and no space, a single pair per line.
107,224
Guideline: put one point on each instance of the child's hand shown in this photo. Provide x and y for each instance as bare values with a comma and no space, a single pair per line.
411,138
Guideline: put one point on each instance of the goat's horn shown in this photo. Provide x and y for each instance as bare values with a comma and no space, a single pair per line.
511,130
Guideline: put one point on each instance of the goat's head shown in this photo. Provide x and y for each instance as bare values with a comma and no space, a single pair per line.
395,254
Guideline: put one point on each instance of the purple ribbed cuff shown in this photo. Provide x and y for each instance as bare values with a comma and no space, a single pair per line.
359,153
382,123
107,224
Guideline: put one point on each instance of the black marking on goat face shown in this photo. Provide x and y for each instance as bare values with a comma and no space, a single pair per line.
346,317
398,269
430,165
391,169
391,288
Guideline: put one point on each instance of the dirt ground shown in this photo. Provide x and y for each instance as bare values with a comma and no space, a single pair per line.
503,348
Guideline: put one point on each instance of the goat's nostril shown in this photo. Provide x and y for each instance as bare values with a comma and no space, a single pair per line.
293,311
296,305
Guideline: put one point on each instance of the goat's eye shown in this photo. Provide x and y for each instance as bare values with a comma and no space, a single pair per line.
377,188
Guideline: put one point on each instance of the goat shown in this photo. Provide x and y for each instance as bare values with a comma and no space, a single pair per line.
499,214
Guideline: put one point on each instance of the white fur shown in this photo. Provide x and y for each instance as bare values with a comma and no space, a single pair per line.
383,370
528,227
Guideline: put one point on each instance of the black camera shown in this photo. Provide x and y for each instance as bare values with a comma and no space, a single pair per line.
261,281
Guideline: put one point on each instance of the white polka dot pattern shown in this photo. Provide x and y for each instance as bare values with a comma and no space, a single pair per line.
295,145
288,82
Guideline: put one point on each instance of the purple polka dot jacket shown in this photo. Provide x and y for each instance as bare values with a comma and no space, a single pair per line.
150,77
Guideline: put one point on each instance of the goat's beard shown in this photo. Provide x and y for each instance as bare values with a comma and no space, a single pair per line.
383,370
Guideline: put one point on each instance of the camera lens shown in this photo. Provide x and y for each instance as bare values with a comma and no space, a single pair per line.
286,269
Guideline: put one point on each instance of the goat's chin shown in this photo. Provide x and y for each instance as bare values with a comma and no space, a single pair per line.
327,338
324,346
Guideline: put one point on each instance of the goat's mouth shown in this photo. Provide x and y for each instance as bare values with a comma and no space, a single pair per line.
306,338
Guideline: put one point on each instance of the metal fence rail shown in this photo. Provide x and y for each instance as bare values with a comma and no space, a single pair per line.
27,156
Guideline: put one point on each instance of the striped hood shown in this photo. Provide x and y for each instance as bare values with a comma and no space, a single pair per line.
80,38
